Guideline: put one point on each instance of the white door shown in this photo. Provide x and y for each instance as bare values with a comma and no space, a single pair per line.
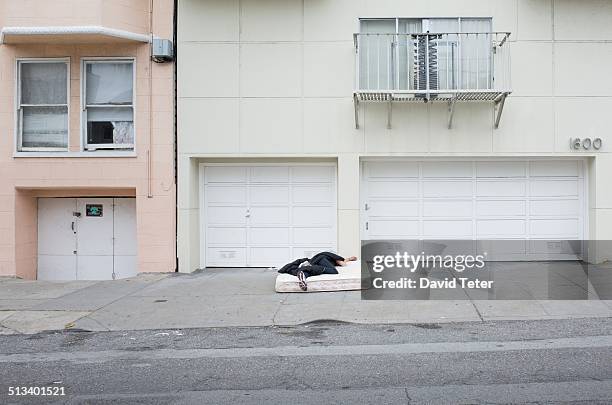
56,239
259,216
476,200
86,238
124,233
95,239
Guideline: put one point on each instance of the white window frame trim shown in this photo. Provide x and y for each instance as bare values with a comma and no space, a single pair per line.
423,20
120,149
18,120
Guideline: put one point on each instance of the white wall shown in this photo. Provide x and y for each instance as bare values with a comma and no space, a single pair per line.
261,78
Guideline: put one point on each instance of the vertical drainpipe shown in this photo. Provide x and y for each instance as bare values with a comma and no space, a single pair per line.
175,129
150,148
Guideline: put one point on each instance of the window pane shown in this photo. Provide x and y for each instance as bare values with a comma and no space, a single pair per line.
44,83
376,55
441,25
410,26
476,54
44,127
475,25
444,49
109,83
110,125
406,50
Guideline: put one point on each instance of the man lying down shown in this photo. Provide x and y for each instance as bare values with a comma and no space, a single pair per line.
321,263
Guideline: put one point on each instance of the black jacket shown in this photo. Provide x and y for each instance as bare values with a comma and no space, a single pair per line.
321,263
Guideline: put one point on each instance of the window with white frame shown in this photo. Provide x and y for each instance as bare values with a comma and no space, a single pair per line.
108,104
425,53
42,104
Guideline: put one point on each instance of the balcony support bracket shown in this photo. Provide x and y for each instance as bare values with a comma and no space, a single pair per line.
356,105
451,111
389,110
499,108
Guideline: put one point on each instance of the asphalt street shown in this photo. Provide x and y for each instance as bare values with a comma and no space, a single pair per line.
545,361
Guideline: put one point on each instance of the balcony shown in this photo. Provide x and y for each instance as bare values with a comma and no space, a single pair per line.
440,67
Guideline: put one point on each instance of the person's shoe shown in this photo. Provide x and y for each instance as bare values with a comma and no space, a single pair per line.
302,281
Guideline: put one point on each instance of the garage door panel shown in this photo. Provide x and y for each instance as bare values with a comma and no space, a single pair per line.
226,215
317,193
393,209
447,169
392,170
313,236
223,174
313,174
313,215
125,266
447,229
226,256
269,215
554,169
309,251
94,267
57,267
554,188
551,228
500,169
397,229
500,228
227,236
269,174
568,247
267,256
447,208
555,208
493,208
268,236
393,189
269,194
225,194
95,233
503,251
491,188
450,247
455,188
55,234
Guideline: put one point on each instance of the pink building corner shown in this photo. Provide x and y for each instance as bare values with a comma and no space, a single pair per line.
88,181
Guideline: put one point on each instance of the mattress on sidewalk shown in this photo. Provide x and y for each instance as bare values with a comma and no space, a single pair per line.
347,279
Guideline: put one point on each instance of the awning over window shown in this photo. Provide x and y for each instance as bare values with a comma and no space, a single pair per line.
68,34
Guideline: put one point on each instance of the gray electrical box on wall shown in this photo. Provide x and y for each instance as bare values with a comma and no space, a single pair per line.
163,51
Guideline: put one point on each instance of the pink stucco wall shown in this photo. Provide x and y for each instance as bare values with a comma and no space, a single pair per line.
24,179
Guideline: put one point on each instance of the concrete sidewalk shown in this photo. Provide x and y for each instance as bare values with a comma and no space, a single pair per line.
236,297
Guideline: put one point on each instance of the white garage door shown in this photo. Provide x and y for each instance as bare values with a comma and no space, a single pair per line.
473,200
86,238
266,215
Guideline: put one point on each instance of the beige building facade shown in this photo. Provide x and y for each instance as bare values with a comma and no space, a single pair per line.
312,125
87,153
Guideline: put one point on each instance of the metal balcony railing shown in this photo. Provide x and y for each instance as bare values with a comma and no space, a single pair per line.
427,67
